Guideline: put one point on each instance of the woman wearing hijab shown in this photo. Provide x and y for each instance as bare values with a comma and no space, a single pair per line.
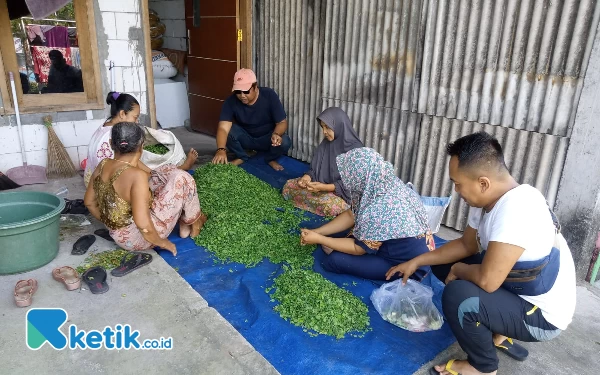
321,190
388,221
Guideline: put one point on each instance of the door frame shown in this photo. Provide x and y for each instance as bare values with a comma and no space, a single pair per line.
145,10
245,11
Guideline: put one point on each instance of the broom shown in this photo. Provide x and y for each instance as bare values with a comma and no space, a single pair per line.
59,161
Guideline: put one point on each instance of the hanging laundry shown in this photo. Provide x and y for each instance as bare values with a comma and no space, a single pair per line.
56,36
41,60
35,31
42,8
75,57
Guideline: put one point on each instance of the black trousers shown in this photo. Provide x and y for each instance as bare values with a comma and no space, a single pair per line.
475,315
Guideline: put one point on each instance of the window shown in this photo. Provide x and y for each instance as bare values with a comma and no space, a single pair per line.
54,60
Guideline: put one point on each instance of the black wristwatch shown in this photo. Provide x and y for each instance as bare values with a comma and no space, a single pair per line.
221,148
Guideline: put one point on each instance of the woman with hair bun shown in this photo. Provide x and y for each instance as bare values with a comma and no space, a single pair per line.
140,213
123,108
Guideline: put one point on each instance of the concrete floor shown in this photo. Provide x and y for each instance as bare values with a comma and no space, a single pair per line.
158,302
153,299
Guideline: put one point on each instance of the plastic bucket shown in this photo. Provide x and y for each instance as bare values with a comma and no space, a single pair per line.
29,230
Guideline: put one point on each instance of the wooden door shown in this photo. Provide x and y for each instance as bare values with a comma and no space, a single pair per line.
213,59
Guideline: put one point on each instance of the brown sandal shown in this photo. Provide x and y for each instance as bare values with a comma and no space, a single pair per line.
24,292
68,276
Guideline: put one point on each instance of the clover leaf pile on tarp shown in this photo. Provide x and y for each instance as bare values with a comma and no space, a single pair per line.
249,221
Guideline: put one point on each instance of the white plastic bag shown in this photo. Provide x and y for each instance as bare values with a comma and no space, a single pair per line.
176,155
435,207
407,306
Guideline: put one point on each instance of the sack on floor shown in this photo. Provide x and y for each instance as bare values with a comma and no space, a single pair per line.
175,156
435,207
407,306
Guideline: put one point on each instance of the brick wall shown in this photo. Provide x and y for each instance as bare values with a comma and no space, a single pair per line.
172,14
120,39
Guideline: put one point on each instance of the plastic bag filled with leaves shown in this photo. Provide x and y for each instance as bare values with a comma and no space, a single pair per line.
407,306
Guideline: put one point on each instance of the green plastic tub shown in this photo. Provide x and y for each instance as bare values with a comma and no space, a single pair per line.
29,230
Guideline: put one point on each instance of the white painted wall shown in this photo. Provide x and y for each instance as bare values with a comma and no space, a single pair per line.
172,14
75,136
120,19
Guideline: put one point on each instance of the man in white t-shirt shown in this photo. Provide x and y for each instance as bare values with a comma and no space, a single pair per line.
511,274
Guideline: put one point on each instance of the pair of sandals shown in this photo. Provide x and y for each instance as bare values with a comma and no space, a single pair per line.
25,289
508,346
83,244
95,277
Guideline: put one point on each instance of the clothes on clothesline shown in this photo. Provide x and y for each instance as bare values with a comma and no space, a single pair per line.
75,57
41,60
57,36
35,31
48,35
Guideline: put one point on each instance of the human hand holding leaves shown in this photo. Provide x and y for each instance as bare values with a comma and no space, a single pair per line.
304,181
309,237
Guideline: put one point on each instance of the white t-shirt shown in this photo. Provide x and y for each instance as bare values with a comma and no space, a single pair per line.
521,218
99,149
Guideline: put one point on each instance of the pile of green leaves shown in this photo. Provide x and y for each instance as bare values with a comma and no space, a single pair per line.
248,220
107,259
159,149
309,300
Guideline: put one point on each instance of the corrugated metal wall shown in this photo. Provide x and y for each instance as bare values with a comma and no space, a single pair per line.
289,48
515,66
369,71
532,158
414,75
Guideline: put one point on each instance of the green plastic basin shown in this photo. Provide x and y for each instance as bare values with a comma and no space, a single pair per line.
29,230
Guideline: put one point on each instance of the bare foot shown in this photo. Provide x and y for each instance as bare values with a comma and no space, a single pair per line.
462,367
184,230
498,339
275,165
237,162
189,162
198,224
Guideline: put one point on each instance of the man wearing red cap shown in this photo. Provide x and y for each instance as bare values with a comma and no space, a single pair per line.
252,118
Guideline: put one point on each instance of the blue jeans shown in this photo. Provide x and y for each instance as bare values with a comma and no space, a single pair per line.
238,141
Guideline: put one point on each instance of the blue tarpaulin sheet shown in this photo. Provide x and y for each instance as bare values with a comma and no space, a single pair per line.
238,294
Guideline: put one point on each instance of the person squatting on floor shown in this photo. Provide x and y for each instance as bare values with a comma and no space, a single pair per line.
511,274
252,118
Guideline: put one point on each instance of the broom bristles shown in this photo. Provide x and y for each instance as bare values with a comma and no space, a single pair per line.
59,161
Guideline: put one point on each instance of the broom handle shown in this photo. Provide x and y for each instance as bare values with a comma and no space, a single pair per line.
16,104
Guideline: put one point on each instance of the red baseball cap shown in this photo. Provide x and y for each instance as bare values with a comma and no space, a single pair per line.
243,80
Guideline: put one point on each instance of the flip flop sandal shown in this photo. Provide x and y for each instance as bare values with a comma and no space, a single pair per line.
24,290
104,233
433,371
130,263
95,278
68,276
67,208
513,350
83,244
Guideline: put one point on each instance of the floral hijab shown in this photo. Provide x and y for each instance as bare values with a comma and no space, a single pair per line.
384,208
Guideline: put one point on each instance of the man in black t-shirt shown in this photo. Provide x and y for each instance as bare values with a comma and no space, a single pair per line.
252,118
